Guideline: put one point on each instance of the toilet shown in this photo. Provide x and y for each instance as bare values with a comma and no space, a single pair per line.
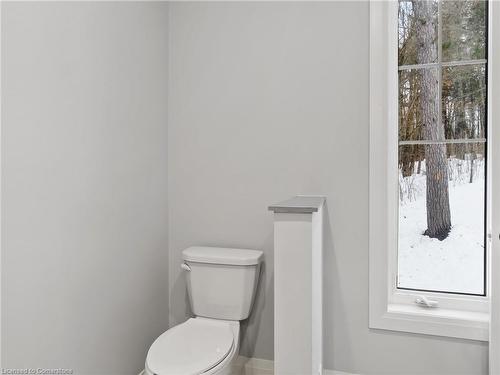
221,285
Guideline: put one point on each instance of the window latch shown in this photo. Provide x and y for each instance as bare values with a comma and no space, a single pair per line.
425,302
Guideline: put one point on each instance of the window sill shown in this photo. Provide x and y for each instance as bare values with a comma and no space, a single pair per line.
434,321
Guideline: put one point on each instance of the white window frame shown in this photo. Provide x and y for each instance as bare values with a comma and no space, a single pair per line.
459,316
494,133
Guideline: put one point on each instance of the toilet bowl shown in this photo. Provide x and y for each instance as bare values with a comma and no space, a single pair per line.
221,285
197,346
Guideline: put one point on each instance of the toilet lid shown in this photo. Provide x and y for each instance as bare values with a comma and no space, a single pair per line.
190,348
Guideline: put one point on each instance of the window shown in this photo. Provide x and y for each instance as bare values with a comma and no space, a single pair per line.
429,147
442,155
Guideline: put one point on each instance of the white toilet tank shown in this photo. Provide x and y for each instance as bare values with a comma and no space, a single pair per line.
221,282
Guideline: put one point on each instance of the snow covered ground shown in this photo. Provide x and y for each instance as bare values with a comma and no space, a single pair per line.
455,264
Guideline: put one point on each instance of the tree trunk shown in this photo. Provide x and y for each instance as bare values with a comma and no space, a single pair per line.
438,205
472,158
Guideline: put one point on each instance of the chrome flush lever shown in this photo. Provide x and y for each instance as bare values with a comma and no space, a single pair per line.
425,302
185,267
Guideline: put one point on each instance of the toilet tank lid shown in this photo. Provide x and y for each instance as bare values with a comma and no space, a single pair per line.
221,255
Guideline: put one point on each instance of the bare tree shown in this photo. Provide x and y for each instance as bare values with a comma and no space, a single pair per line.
438,205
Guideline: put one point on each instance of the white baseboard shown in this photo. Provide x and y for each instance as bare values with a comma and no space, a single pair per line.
335,372
256,366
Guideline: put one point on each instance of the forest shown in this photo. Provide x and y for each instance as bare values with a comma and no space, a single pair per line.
442,96
442,74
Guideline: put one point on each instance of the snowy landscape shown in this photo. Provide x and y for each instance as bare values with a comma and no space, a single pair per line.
455,264
442,137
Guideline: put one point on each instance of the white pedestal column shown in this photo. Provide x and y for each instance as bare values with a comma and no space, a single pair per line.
298,286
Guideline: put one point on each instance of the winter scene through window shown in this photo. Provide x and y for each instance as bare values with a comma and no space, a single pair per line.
442,154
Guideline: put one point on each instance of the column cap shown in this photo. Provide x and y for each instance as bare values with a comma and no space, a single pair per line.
300,204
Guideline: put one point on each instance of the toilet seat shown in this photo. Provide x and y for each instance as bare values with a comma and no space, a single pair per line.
191,348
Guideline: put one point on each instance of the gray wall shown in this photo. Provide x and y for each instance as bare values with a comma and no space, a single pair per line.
84,179
268,100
